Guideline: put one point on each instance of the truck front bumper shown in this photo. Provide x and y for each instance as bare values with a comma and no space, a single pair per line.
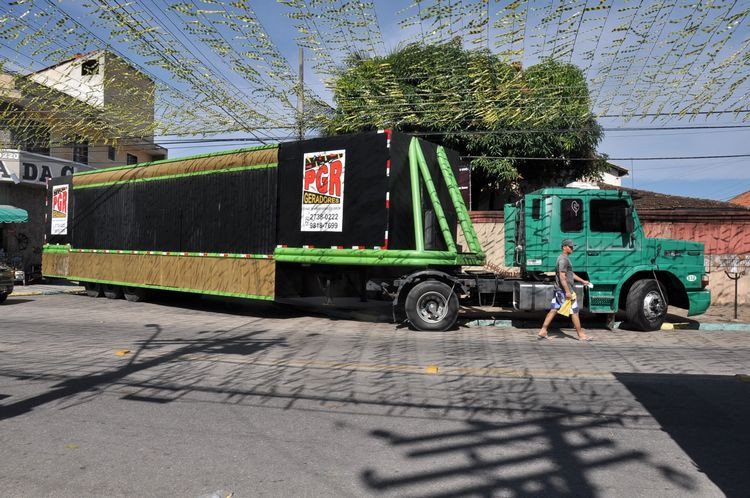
699,302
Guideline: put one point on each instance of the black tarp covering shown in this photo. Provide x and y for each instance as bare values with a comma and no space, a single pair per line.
365,186
221,212
59,239
401,221
254,211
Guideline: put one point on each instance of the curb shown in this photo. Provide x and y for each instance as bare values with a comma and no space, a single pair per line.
526,324
45,293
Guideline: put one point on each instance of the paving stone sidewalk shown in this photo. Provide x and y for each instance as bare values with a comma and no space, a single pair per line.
718,317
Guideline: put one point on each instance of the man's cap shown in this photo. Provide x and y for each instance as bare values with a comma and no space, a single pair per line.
567,242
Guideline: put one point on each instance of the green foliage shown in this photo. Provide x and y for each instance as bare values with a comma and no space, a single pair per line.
541,112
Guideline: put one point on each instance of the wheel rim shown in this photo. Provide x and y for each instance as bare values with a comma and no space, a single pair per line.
653,305
432,307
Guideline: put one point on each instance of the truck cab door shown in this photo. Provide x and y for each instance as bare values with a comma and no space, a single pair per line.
612,248
610,238
568,222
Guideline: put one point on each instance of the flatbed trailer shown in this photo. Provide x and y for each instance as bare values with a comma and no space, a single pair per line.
369,215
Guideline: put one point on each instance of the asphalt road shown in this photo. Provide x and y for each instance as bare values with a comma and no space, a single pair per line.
111,398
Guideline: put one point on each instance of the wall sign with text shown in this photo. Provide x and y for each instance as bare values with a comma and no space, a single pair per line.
323,191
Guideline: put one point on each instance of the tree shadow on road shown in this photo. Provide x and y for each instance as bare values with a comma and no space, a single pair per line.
245,344
549,455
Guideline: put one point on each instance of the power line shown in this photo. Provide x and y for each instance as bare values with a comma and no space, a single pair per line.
672,158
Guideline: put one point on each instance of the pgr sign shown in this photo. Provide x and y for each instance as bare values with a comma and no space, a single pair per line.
25,167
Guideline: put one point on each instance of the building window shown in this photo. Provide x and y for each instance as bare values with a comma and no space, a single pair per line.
131,159
110,153
90,67
572,215
608,216
81,151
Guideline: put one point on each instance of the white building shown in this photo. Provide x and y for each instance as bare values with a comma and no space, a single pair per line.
97,93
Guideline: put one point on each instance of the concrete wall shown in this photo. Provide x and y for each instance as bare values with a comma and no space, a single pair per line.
98,153
725,242
67,78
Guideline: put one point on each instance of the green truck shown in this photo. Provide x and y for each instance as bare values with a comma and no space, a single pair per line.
364,216
628,271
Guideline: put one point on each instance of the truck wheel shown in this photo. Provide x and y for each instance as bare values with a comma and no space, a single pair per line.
93,289
112,291
135,294
3,296
432,306
646,305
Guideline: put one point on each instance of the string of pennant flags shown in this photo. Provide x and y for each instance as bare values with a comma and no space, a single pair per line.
214,66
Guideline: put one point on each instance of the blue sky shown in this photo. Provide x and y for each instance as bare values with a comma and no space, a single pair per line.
707,178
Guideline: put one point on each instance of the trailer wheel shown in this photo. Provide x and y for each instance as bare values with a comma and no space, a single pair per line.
93,289
135,294
112,291
646,305
432,305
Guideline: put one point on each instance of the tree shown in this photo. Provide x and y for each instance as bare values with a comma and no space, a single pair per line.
494,112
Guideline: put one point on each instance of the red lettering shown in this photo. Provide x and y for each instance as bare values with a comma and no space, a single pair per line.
322,179
309,178
60,202
335,178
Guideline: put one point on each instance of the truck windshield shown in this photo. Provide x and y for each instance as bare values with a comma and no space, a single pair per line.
608,215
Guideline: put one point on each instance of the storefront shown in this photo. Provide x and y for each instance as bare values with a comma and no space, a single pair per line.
23,184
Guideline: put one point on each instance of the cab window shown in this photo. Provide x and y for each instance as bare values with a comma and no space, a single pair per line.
571,219
536,209
608,215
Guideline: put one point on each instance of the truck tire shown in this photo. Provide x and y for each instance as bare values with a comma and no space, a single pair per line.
93,289
646,306
135,294
112,291
432,305
3,296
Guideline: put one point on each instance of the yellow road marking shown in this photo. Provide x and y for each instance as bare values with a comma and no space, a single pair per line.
415,369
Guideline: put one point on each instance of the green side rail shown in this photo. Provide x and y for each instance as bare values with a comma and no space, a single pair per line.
416,197
430,185
463,215
389,257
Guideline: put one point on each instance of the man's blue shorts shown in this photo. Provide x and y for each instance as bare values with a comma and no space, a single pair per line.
559,299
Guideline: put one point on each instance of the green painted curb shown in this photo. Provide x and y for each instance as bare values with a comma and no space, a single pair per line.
523,324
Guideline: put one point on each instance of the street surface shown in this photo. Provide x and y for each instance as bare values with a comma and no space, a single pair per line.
111,398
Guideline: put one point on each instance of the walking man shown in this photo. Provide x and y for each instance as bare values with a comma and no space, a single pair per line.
564,278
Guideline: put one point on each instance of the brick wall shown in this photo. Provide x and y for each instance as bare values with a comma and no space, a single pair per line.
726,237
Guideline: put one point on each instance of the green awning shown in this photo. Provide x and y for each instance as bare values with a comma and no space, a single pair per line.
10,214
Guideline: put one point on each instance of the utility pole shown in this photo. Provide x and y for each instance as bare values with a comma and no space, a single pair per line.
301,95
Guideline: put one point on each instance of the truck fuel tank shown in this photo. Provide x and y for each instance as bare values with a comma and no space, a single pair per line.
537,296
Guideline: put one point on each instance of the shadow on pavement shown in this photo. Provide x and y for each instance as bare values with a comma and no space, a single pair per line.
707,416
542,456
244,344
11,301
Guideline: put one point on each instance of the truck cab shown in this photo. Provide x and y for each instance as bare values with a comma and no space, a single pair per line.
628,270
